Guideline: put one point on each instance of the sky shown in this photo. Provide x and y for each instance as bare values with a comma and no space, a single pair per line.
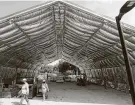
108,8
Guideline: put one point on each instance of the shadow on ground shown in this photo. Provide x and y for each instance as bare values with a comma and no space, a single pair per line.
16,103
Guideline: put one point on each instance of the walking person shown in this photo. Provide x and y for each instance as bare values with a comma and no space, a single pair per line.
45,89
24,92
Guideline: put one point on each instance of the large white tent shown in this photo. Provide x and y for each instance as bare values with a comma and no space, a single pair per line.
58,30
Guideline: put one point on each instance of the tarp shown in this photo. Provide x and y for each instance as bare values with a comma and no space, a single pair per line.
59,30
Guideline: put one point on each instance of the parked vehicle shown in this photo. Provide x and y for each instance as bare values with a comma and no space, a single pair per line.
53,79
68,79
60,79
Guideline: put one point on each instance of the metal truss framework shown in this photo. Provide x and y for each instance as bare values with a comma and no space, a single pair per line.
59,30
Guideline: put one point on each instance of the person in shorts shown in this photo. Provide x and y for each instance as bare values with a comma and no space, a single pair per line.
45,89
25,92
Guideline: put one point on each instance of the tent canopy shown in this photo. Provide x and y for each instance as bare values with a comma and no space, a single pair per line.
59,30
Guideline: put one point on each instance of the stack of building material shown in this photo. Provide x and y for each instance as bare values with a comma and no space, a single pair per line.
6,93
14,91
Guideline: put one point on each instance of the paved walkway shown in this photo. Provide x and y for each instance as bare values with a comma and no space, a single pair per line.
70,94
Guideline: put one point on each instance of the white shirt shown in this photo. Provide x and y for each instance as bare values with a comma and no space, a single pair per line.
25,88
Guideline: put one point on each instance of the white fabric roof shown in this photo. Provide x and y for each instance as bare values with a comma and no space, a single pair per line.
59,30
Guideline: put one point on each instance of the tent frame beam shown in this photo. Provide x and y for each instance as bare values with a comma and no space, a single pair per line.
32,43
87,42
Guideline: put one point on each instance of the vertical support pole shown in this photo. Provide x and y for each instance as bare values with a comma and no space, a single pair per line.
127,62
102,75
16,69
